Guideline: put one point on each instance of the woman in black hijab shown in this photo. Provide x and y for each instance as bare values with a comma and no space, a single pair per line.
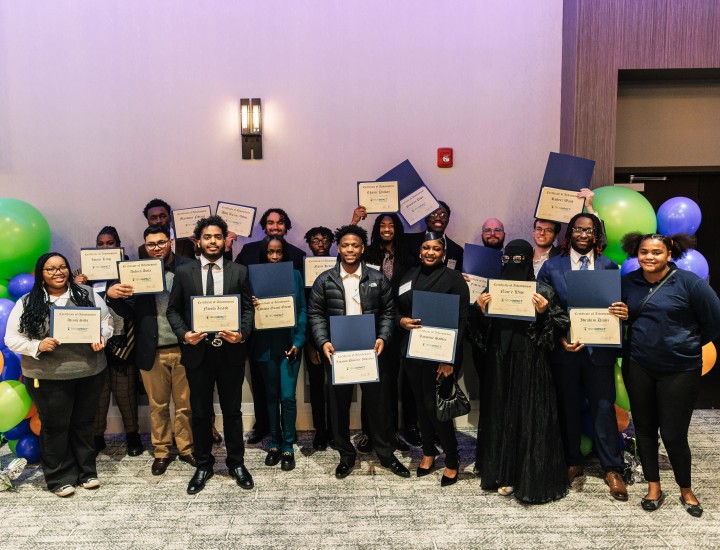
522,446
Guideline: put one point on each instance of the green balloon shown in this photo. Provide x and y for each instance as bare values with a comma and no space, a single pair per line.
615,253
623,211
621,396
3,289
585,445
20,220
14,404
12,445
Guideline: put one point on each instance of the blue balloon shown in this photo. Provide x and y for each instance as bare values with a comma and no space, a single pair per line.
678,215
693,261
19,431
11,369
5,309
631,264
29,448
20,285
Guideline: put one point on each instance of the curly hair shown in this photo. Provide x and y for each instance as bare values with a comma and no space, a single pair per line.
262,253
676,244
375,252
351,230
210,220
156,203
597,232
322,230
280,212
36,305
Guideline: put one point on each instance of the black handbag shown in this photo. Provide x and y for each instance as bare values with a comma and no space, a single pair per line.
447,408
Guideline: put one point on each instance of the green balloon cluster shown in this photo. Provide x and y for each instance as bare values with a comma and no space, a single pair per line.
24,237
623,211
585,444
14,404
621,395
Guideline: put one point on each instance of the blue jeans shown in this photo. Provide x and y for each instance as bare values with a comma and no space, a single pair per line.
280,376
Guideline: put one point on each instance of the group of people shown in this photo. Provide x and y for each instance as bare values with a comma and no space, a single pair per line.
533,381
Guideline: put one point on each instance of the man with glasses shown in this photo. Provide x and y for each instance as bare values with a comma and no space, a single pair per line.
585,371
493,233
437,222
544,234
157,354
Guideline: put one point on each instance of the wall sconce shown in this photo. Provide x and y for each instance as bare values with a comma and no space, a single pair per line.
251,128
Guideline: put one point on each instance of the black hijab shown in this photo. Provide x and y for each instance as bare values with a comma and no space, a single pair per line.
522,271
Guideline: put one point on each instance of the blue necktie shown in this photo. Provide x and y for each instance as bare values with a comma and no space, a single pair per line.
584,260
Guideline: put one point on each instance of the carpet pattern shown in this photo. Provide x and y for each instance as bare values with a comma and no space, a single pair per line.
309,508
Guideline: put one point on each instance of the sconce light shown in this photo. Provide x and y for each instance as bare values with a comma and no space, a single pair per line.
251,128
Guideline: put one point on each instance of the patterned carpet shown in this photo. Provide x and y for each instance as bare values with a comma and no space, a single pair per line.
309,508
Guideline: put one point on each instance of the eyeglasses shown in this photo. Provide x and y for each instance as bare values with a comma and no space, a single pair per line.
520,258
542,230
154,246
54,270
489,230
323,240
589,231
441,215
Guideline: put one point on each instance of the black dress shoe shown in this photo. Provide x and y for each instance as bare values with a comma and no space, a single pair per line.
397,468
134,444
331,444
242,477
273,457
159,466
412,436
320,441
695,510
446,481
343,470
422,472
288,461
652,504
198,480
256,437
188,459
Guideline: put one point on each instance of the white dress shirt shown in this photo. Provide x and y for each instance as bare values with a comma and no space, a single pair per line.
351,282
575,262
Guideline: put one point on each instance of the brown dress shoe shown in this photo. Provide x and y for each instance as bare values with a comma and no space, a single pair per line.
188,459
617,485
159,466
575,471
216,437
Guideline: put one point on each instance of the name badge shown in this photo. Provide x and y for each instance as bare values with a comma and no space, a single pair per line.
404,288
451,264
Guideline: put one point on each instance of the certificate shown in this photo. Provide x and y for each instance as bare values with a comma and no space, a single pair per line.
417,205
477,286
75,325
595,327
215,313
355,367
275,313
145,276
316,265
558,205
378,196
239,218
100,264
185,219
432,344
511,299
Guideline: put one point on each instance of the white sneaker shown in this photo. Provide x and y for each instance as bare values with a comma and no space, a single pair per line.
506,491
92,483
65,491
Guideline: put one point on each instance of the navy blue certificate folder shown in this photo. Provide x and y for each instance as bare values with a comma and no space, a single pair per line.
568,172
352,332
435,309
596,288
407,177
482,261
272,280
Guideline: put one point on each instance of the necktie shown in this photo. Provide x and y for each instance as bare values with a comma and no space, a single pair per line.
210,283
584,261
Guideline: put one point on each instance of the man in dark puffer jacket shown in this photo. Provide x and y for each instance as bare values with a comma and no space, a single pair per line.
350,288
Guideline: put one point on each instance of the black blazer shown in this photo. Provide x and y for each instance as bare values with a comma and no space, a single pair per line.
453,251
188,283
250,255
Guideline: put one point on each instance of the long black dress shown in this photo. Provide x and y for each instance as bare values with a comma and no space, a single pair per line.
522,446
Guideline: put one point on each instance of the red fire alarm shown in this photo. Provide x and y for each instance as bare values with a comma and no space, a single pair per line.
445,157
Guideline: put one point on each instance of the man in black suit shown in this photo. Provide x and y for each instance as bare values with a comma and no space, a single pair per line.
218,360
437,222
544,234
275,222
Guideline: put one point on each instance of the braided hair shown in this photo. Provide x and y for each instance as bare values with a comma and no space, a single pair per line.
36,304
597,232
375,252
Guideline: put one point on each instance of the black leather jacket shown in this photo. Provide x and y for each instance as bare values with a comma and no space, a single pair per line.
327,299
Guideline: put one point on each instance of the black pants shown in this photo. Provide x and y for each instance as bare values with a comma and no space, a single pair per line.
577,377
67,412
422,376
478,357
318,389
663,401
257,386
373,394
215,368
